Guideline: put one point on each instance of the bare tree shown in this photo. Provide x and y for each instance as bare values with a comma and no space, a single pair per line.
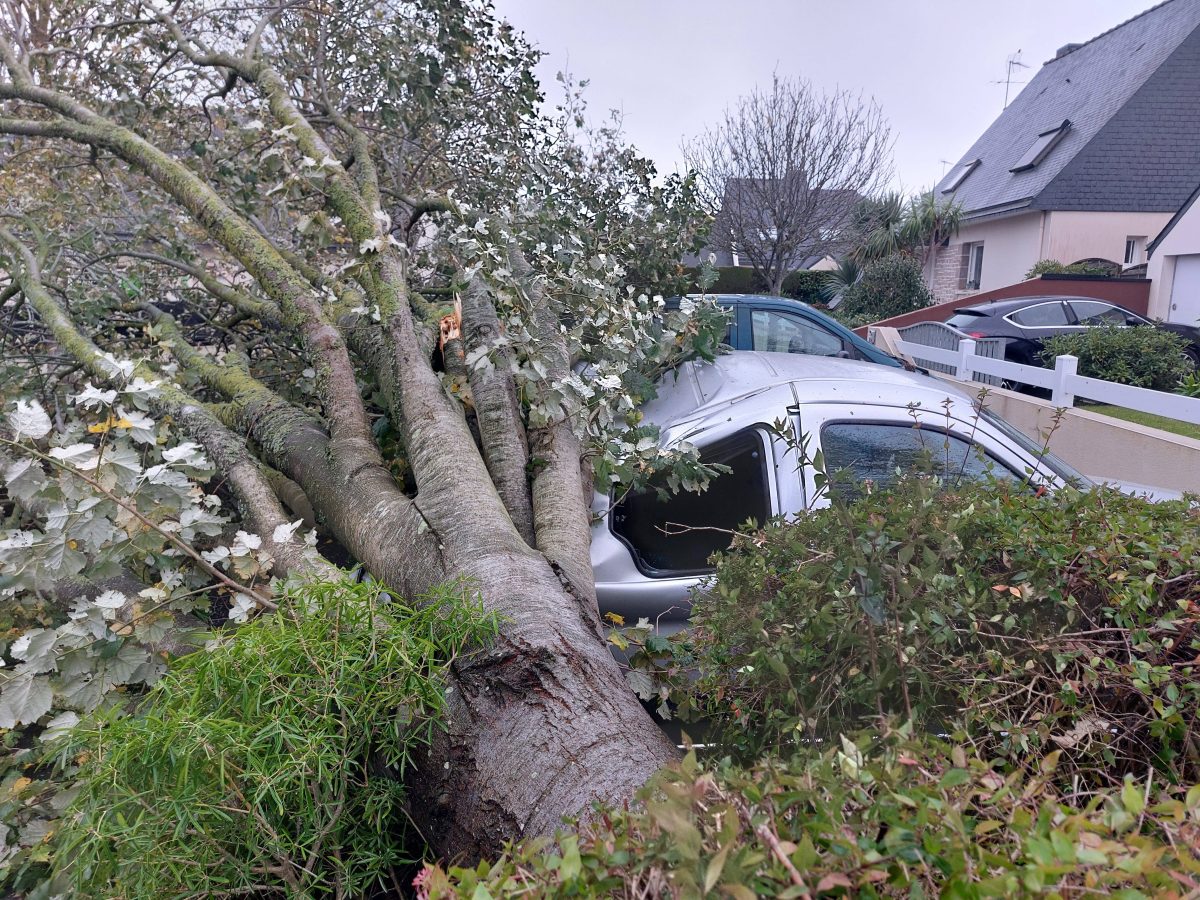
784,169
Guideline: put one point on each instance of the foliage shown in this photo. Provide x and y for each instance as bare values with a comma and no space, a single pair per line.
272,761
837,281
1143,356
888,287
95,594
1189,384
1026,623
889,225
889,817
805,285
1054,267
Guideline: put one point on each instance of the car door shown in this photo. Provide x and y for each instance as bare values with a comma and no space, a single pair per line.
779,331
651,548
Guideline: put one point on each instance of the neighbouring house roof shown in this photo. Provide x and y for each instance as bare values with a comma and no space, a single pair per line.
1114,120
1167,229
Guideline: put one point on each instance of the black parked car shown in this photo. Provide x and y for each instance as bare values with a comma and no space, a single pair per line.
1027,322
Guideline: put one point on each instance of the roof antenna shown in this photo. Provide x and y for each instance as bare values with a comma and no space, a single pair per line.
1014,62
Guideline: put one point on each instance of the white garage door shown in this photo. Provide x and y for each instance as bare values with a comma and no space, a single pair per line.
1185,290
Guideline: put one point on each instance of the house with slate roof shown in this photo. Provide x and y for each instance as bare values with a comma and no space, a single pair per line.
1090,161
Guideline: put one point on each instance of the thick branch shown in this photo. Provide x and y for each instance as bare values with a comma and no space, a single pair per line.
561,511
501,429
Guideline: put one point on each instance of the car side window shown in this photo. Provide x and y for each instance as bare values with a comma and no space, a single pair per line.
781,333
861,456
1044,315
1093,312
675,534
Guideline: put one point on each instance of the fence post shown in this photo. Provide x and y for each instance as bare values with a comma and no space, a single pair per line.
966,350
1066,367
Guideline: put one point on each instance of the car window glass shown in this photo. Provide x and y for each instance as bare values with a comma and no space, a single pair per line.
860,456
1093,312
965,320
677,533
1043,315
782,333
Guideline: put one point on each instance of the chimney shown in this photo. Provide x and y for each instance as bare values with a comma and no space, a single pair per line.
1065,49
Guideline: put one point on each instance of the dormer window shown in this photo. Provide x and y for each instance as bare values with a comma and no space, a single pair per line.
1046,141
959,175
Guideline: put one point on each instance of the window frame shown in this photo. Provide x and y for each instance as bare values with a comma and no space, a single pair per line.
801,321
1068,315
1042,147
940,430
762,433
960,174
974,266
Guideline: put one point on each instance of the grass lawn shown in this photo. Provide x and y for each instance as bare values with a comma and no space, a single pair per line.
1149,419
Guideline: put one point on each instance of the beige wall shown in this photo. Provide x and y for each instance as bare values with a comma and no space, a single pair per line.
1072,236
1014,243
1102,447
1184,239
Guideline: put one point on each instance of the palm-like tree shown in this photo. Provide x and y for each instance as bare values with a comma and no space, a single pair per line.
836,281
928,223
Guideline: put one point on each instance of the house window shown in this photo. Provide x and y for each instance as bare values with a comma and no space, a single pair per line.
970,273
959,175
1046,141
1135,250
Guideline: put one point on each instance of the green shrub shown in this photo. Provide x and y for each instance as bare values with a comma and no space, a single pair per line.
1025,623
888,287
805,285
270,764
1054,267
880,818
1143,356
1189,384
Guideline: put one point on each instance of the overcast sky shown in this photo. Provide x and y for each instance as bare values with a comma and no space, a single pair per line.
672,66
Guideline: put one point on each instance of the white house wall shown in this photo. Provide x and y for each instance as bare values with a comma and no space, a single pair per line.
1183,240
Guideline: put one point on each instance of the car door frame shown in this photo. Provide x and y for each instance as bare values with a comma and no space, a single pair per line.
667,598
810,419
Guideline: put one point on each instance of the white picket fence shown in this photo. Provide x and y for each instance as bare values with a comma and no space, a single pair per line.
1063,381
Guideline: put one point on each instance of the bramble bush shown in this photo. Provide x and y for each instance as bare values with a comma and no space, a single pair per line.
1025,624
1041,651
876,817
1143,356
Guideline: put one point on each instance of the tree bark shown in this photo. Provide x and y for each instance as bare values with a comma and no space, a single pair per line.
540,725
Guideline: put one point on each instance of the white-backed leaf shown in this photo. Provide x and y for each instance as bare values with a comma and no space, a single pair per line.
29,419
24,699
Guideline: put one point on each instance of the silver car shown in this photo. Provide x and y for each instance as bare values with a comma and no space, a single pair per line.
649,553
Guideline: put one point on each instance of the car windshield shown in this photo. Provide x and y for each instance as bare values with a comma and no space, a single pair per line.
965,319
1055,464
